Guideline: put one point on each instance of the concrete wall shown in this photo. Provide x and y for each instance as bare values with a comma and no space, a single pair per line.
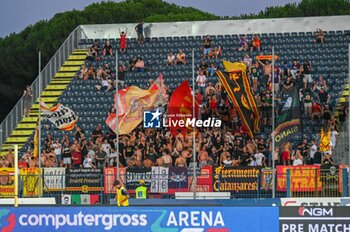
221,27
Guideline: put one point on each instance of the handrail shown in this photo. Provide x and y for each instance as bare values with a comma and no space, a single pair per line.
53,65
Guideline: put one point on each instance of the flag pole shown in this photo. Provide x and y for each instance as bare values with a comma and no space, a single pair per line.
194,132
273,123
116,112
39,125
16,176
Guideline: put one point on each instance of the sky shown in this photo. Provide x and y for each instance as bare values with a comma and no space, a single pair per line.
18,14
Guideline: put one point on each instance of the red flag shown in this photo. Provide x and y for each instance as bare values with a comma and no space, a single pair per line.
181,108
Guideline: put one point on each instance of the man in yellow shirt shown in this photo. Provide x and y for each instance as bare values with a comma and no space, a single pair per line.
121,197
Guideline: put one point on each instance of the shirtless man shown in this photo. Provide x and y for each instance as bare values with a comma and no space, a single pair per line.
187,154
52,158
181,57
180,161
168,161
209,89
178,144
138,153
188,142
147,163
203,156
10,157
33,162
267,67
133,162
160,161
45,162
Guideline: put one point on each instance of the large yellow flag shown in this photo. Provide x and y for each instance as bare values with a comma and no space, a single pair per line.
325,140
136,101
36,140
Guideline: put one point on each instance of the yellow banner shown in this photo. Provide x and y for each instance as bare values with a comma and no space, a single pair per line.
7,186
30,180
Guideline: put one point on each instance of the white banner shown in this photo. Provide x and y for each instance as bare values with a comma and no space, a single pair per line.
66,199
85,199
321,201
61,116
54,179
159,183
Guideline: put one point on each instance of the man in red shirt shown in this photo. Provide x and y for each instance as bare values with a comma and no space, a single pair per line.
76,157
316,110
22,163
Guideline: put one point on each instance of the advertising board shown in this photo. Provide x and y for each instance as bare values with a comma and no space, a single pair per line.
322,201
314,219
160,219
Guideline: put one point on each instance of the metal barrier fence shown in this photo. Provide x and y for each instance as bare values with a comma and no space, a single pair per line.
95,186
57,60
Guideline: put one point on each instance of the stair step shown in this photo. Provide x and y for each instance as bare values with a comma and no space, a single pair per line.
65,74
74,63
47,99
76,57
61,82
26,126
4,151
34,113
69,69
36,105
29,119
14,140
51,93
21,133
80,52
56,87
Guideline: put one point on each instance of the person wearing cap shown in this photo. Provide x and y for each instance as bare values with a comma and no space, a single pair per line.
141,191
121,197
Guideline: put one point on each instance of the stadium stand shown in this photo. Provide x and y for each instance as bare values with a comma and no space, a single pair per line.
92,106
75,88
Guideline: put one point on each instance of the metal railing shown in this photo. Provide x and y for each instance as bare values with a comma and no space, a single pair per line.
57,60
239,183
342,146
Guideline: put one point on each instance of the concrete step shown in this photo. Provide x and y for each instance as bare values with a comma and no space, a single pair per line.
65,74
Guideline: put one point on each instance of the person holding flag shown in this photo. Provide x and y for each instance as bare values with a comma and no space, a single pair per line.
121,197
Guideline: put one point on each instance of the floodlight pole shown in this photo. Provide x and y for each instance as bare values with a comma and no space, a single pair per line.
116,112
39,127
16,176
273,124
194,131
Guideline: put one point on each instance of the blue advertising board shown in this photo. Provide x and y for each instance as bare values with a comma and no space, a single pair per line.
158,219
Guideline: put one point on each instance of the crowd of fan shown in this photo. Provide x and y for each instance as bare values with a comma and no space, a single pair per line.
228,146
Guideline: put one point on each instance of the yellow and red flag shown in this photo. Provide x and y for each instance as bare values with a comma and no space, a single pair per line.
133,101
325,140
36,140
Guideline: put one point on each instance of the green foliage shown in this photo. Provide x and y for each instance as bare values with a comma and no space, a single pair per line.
18,55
